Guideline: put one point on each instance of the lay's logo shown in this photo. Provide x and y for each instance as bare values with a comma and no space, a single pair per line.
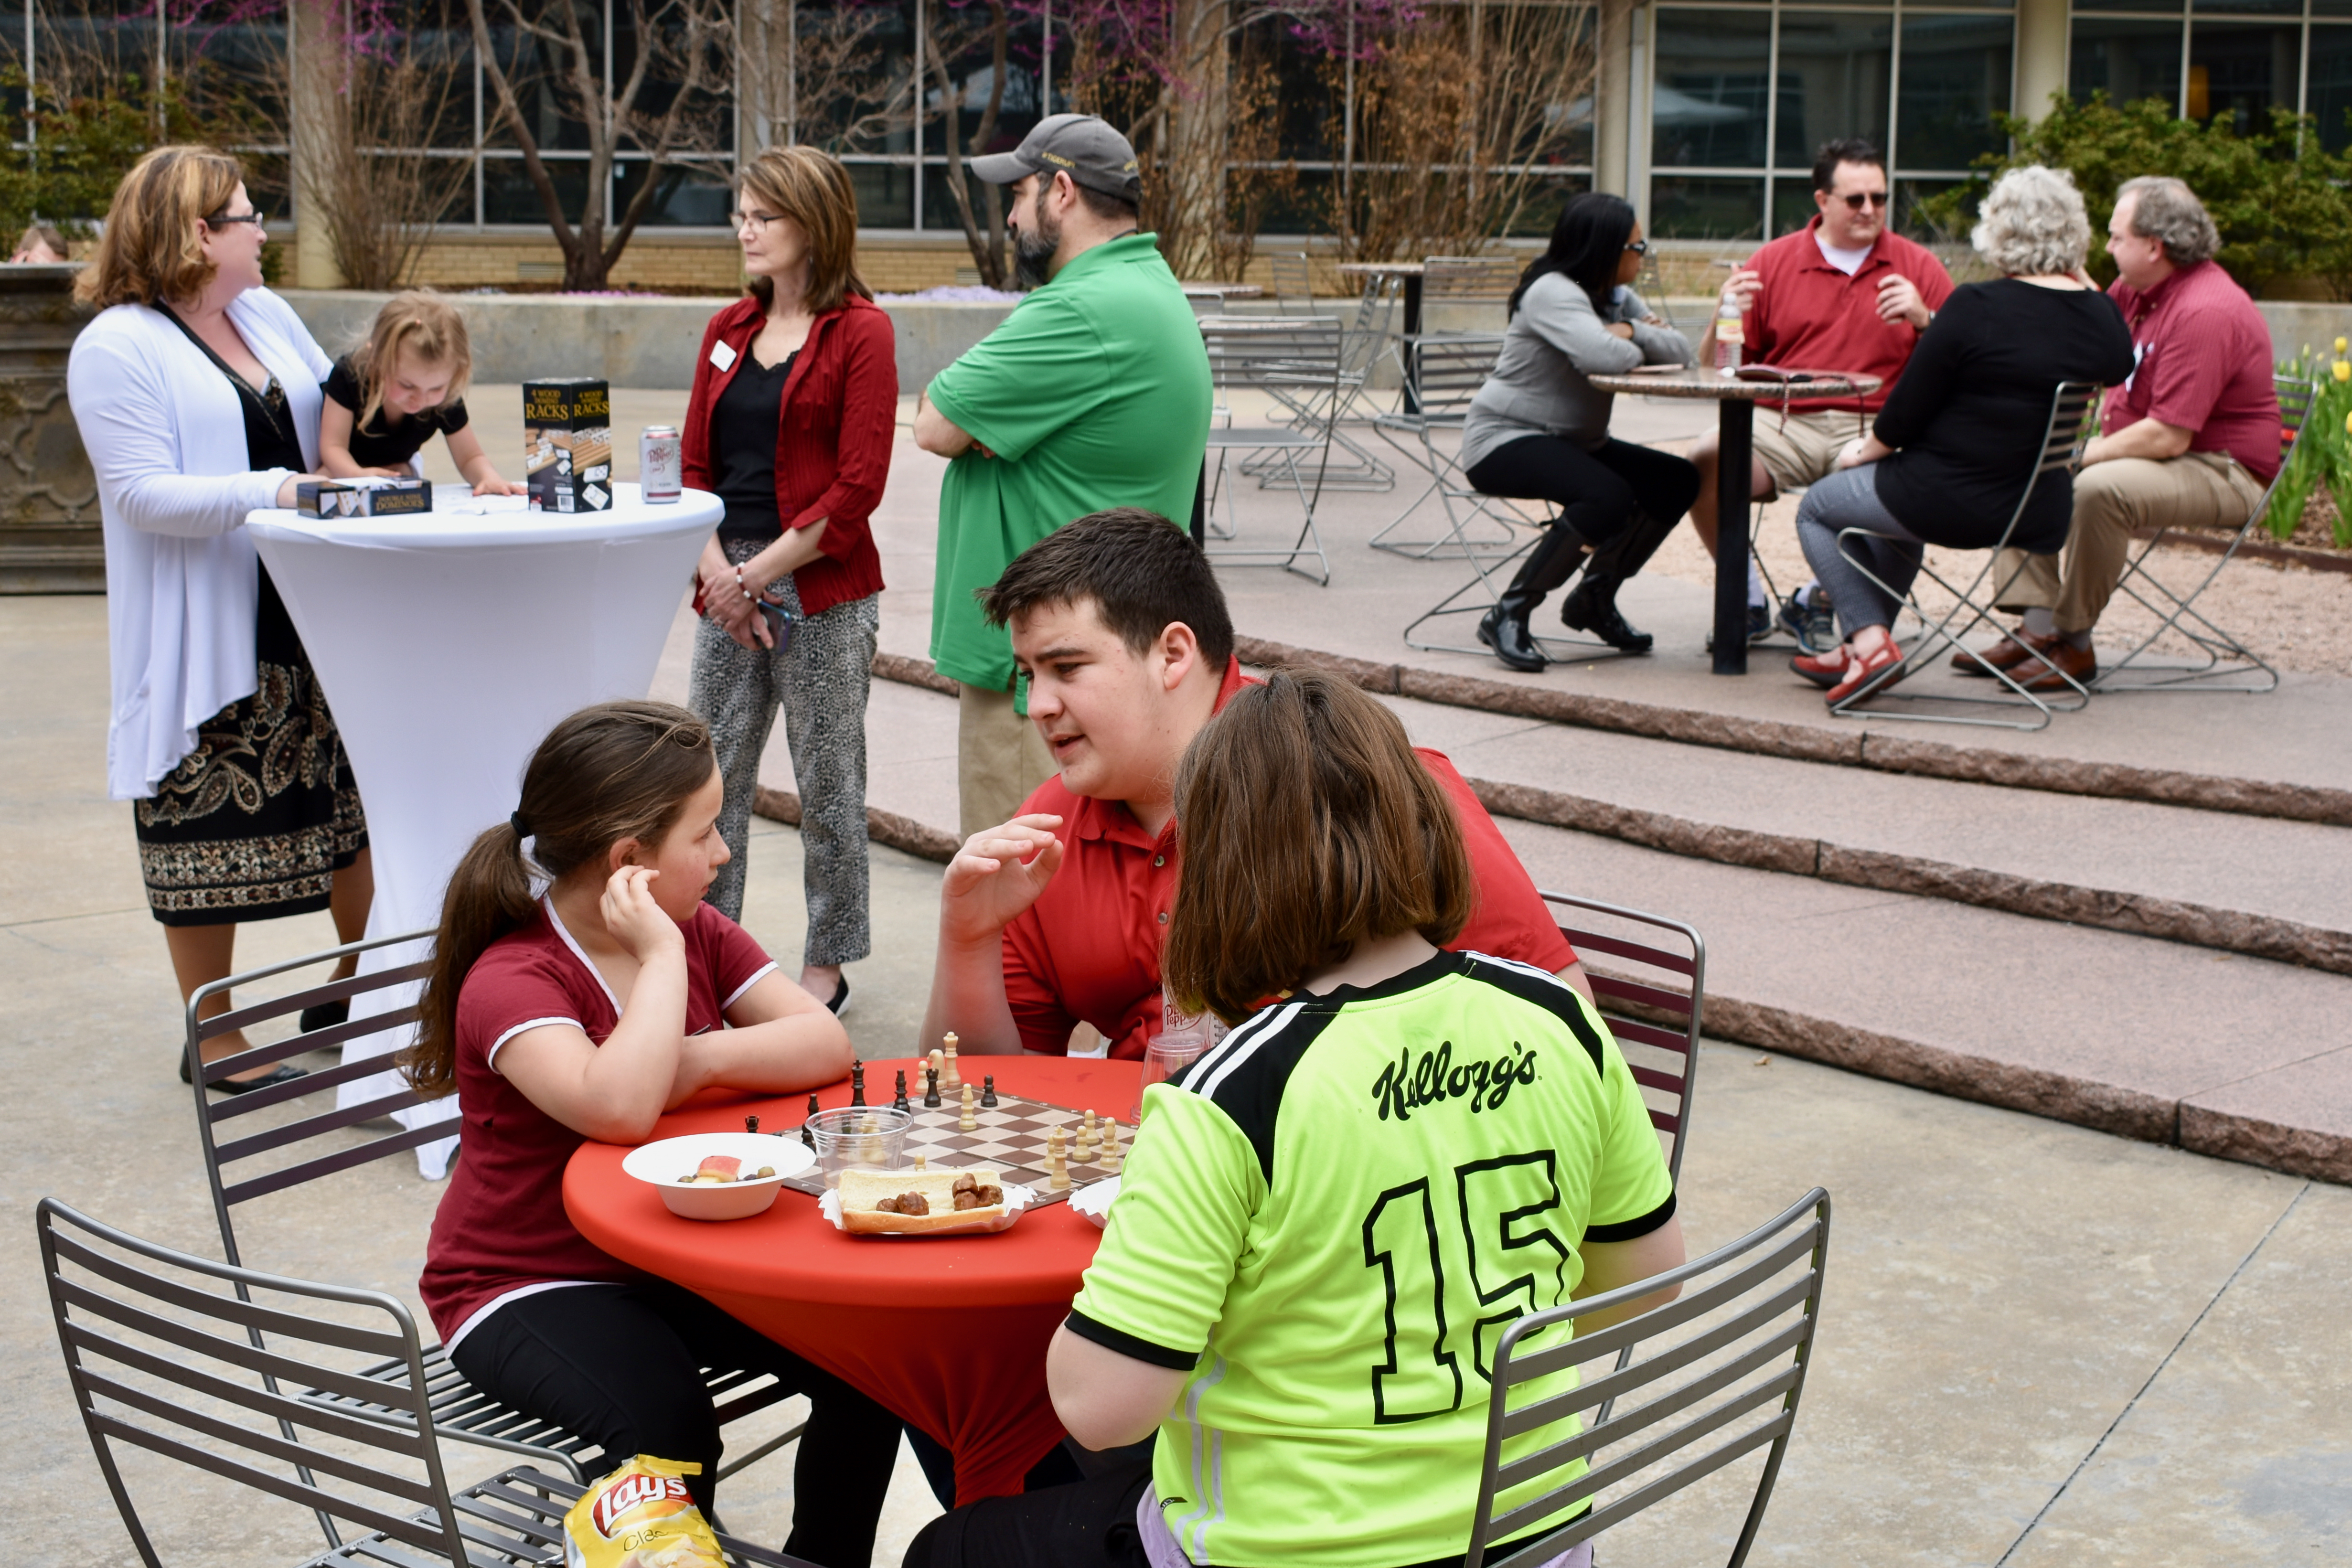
631,1493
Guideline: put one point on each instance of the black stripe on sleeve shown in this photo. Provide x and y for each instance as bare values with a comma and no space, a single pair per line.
1128,1346
1624,1229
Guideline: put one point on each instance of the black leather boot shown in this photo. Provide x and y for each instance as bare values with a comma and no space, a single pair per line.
1505,628
1591,605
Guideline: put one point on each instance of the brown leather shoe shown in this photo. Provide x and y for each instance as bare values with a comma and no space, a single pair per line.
2037,674
2006,654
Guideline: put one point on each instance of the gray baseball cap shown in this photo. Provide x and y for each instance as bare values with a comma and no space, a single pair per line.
1082,146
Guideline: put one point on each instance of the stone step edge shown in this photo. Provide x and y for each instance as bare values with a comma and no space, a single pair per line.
2172,920
2062,1097
1857,747
2136,915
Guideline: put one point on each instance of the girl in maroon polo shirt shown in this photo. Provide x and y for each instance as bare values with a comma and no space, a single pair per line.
577,993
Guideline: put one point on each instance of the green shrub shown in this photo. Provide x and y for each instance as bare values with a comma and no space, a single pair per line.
2278,196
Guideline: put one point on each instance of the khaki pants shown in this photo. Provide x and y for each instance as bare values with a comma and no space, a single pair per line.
999,758
2198,490
1803,447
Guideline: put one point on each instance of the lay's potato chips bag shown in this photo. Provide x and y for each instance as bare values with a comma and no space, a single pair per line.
640,1516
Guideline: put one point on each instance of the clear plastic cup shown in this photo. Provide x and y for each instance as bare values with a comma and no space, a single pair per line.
1167,1053
860,1138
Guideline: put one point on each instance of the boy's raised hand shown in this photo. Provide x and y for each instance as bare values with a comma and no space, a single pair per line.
997,874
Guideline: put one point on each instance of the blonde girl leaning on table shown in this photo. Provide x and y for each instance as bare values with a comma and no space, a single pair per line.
388,397
196,392
580,986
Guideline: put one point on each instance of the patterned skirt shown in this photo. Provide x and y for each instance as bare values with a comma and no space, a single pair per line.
254,823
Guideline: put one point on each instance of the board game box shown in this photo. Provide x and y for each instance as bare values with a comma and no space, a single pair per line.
567,439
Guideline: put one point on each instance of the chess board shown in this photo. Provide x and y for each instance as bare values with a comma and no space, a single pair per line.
1010,1135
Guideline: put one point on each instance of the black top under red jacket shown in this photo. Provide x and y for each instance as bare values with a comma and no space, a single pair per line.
833,445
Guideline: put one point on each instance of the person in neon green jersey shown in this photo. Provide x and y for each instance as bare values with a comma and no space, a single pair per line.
1329,1219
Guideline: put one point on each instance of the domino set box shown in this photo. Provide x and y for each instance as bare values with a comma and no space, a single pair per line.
567,437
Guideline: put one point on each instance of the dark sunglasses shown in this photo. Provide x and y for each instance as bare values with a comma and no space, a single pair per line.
1638,247
256,217
1860,198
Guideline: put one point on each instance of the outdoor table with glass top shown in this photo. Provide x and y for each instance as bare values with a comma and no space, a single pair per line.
1736,401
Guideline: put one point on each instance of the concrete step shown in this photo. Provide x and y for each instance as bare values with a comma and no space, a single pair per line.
2261,886
2233,1057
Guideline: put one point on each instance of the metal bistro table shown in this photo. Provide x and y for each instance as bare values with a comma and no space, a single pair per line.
1736,403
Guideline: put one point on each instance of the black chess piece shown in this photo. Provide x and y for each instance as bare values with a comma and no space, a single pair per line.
857,1083
930,1088
751,1123
899,1103
988,1089
807,1136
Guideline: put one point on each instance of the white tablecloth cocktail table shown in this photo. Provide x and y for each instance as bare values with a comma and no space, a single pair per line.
449,645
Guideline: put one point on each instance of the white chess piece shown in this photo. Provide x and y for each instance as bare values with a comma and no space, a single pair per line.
922,1160
951,1078
968,1123
1057,1167
1111,1158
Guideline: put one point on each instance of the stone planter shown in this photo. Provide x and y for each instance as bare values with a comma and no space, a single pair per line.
50,536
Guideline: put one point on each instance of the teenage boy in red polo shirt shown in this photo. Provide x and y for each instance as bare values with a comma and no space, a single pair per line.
1843,293
1124,643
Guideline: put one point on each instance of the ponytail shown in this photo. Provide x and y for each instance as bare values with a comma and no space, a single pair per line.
615,771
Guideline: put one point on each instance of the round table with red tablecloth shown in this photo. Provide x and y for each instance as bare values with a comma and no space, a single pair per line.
947,1333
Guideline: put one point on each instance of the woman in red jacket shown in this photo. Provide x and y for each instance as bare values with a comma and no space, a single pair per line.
795,398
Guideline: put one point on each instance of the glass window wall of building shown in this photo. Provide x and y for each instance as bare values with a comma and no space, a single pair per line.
1731,161
2238,58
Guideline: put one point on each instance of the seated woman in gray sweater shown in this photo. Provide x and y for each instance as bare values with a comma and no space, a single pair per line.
1539,430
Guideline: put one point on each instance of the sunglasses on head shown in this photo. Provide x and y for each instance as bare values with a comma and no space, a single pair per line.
1856,202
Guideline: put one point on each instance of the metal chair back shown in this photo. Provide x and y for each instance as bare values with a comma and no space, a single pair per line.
2176,613
1450,370
1717,1374
1294,283
1469,279
186,1357
1298,362
163,1352
1655,1007
2072,406
279,1154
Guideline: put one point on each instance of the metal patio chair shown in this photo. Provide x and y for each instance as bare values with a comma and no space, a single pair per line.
1655,1020
280,1154
2225,656
1294,283
187,1358
1448,372
2072,405
1716,1375
1298,361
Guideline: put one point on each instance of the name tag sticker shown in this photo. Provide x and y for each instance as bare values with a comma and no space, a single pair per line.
722,356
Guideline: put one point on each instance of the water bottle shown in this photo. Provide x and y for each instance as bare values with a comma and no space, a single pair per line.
1730,333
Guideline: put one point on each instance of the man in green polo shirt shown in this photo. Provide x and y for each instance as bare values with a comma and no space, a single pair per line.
1093,393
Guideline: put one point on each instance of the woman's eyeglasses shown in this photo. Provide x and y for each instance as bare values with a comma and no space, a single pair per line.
1859,198
1638,247
222,220
747,220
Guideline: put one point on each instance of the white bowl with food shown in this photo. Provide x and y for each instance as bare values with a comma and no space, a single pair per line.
718,1175
976,1200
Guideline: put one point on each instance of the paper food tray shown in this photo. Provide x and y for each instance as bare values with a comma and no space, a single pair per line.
1017,1199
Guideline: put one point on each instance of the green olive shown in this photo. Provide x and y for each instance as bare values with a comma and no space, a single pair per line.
764,1171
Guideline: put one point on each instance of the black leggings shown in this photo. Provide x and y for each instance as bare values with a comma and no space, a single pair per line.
622,1366
1597,491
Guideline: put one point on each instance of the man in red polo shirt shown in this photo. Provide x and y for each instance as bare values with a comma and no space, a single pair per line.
1126,650
1843,293
2191,440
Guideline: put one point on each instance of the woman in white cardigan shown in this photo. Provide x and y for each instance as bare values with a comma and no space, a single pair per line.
196,391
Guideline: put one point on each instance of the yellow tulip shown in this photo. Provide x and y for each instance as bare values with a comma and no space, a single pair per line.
2343,370
2348,424
2339,345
